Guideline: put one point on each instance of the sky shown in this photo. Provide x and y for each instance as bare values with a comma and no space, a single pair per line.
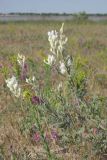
53,6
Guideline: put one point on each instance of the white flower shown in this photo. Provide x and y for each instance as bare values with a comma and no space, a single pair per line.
50,60
21,60
57,41
30,80
68,63
62,40
53,40
52,36
12,84
33,78
17,92
62,67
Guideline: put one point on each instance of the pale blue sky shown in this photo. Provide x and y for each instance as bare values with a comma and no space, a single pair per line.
59,6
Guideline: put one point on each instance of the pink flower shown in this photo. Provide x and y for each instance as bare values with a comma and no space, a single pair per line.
54,134
37,100
36,137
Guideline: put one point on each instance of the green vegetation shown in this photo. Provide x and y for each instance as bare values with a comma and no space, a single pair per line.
82,16
55,107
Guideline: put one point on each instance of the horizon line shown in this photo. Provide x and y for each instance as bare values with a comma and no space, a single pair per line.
60,13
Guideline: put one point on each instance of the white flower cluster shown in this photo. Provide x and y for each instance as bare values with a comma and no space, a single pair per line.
50,60
69,62
62,67
62,40
53,40
30,80
13,85
57,41
57,45
21,60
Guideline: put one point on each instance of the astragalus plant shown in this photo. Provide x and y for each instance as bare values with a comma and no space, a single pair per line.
61,115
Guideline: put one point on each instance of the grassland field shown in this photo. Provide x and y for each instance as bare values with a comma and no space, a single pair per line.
30,39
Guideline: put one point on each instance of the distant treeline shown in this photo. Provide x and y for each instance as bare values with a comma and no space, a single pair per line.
54,14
